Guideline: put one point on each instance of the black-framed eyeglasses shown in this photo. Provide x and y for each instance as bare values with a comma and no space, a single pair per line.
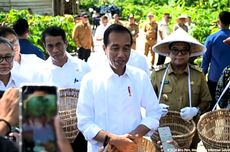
8,58
176,51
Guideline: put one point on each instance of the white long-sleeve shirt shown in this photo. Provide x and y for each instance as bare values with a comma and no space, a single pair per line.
113,103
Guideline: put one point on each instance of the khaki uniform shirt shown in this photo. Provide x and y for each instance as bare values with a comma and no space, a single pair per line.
134,29
150,30
82,35
175,90
116,22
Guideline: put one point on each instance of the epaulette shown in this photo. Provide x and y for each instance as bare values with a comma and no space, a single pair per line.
195,67
160,67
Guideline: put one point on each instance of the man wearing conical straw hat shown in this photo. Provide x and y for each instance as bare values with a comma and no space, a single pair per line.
180,86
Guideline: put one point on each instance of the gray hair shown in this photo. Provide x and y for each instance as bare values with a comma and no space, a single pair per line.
7,42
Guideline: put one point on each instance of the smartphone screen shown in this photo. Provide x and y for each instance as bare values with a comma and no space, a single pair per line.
165,135
38,108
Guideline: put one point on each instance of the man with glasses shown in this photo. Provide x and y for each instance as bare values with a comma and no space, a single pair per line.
7,78
180,86
82,36
26,65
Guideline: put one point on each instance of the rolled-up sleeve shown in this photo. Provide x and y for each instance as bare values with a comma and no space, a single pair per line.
151,105
85,111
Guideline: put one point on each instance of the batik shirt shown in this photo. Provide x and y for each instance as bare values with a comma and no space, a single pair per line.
223,81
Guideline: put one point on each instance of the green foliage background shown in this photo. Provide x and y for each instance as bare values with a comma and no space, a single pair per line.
204,13
38,23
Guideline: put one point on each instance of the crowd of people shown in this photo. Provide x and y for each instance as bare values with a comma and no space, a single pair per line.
120,99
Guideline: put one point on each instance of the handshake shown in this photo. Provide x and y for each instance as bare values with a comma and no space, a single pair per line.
186,113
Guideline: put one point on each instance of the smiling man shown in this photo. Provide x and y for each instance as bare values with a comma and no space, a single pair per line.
180,86
111,98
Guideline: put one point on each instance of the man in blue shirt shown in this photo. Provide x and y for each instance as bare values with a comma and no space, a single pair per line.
216,58
21,27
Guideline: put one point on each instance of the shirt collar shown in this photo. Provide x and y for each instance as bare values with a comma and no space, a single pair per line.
110,73
171,71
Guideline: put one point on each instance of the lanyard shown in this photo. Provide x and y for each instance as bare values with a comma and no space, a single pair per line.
189,86
225,89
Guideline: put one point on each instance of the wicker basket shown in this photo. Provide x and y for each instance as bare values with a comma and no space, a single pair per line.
182,131
144,145
67,112
214,130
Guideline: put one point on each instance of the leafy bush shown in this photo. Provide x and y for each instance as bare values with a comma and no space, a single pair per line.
38,23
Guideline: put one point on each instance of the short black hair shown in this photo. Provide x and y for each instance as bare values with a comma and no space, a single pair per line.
224,17
188,44
53,31
118,29
21,26
5,31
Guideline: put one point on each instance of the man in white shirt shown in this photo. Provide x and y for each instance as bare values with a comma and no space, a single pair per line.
111,98
164,31
104,24
7,78
25,65
61,70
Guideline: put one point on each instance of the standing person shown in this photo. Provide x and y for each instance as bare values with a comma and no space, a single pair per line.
8,79
134,29
21,27
190,24
116,20
77,19
104,24
150,30
216,58
63,70
114,92
164,31
96,19
24,64
180,86
99,33
83,37
181,20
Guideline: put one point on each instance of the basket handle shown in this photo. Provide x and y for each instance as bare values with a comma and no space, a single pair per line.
223,92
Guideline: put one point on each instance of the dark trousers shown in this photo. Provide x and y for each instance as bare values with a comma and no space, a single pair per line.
212,88
79,144
161,59
84,54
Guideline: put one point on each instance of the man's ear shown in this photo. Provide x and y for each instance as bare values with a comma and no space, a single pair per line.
104,47
66,45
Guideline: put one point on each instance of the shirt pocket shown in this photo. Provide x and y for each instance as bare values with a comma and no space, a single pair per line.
166,93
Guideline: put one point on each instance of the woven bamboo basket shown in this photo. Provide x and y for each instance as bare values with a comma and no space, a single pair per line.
182,131
214,130
144,145
67,112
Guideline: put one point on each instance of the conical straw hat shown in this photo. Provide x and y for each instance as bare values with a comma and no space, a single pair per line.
179,35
